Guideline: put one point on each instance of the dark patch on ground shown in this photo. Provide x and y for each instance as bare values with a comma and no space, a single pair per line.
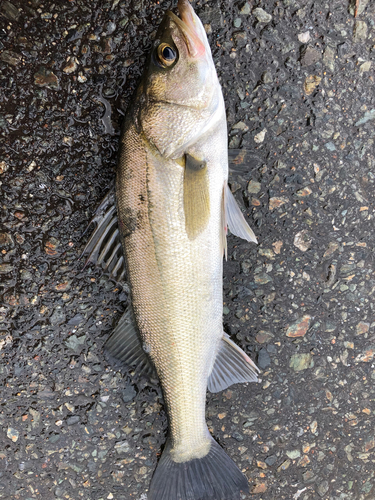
301,302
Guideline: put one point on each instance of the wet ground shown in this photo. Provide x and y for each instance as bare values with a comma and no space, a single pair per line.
298,81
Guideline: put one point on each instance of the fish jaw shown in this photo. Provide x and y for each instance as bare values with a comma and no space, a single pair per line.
190,27
190,18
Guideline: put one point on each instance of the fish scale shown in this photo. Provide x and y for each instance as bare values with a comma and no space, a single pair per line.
183,320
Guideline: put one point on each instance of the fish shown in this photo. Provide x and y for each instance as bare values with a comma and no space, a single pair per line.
167,237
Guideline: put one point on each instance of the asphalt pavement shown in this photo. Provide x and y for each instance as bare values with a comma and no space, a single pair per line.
298,82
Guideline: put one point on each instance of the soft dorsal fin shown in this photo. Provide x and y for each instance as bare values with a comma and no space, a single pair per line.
125,345
234,218
196,196
232,366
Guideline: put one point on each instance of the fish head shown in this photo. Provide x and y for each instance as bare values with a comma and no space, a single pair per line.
180,68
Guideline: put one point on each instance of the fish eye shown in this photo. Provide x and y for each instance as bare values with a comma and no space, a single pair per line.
166,54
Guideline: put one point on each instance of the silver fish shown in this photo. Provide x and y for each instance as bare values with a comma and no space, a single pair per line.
174,206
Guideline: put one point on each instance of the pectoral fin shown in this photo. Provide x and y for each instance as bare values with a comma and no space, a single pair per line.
232,366
235,219
196,196
224,229
125,345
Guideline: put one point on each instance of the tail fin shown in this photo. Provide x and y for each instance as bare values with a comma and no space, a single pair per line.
213,477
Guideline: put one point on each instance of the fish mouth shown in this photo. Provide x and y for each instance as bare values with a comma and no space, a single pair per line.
189,28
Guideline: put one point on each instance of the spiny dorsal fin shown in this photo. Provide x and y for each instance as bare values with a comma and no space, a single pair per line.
234,217
196,196
232,366
104,246
125,345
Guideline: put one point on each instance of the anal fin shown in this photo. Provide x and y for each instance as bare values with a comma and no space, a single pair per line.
232,366
125,345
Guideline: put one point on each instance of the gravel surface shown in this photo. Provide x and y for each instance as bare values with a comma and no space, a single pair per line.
298,81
